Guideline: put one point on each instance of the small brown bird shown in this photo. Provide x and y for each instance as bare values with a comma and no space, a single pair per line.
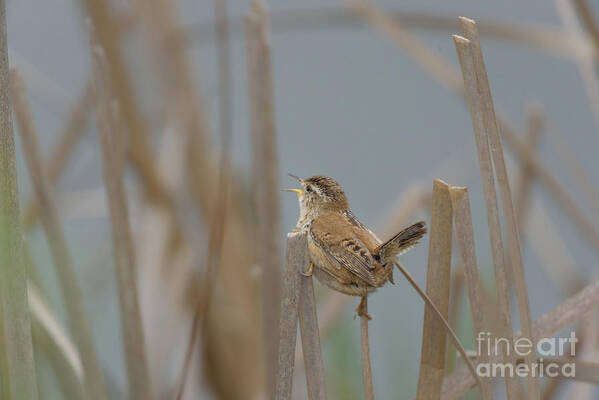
344,254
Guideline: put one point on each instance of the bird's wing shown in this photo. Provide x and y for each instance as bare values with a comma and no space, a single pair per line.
342,247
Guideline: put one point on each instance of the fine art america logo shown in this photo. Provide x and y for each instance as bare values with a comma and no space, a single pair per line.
490,350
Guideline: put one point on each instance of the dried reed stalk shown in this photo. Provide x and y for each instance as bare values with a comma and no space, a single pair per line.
113,164
296,259
51,338
535,123
455,311
365,351
558,193
547,243
311,349
71,292
513,238
298,303
549,324
17,366
227,351
465,238
442,70
232,346
62,151
265,176
466,57
438,277
219,220
139,150
185,109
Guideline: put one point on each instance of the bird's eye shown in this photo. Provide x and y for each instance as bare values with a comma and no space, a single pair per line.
308,188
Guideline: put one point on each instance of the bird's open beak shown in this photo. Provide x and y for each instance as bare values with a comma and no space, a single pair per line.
298,191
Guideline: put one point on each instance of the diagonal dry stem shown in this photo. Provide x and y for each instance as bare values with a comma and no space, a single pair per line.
61,154
587,16
549,324
471,371
49,335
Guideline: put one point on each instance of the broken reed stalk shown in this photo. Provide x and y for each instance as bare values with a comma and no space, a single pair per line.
549,324
68,139
466,58
113,166
296,258
513,238
365,351
297,302
265,177
71,292
465,238
17,366
438,277
446,75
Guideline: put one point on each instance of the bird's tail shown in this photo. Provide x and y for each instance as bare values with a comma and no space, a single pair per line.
403,241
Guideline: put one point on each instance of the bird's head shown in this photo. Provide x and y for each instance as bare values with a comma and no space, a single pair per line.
319,194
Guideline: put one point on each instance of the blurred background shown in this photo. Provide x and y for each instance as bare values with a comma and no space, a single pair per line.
348,103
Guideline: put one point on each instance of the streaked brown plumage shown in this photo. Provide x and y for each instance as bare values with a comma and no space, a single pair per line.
345,255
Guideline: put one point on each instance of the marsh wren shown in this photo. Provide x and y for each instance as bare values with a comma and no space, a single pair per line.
344,254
